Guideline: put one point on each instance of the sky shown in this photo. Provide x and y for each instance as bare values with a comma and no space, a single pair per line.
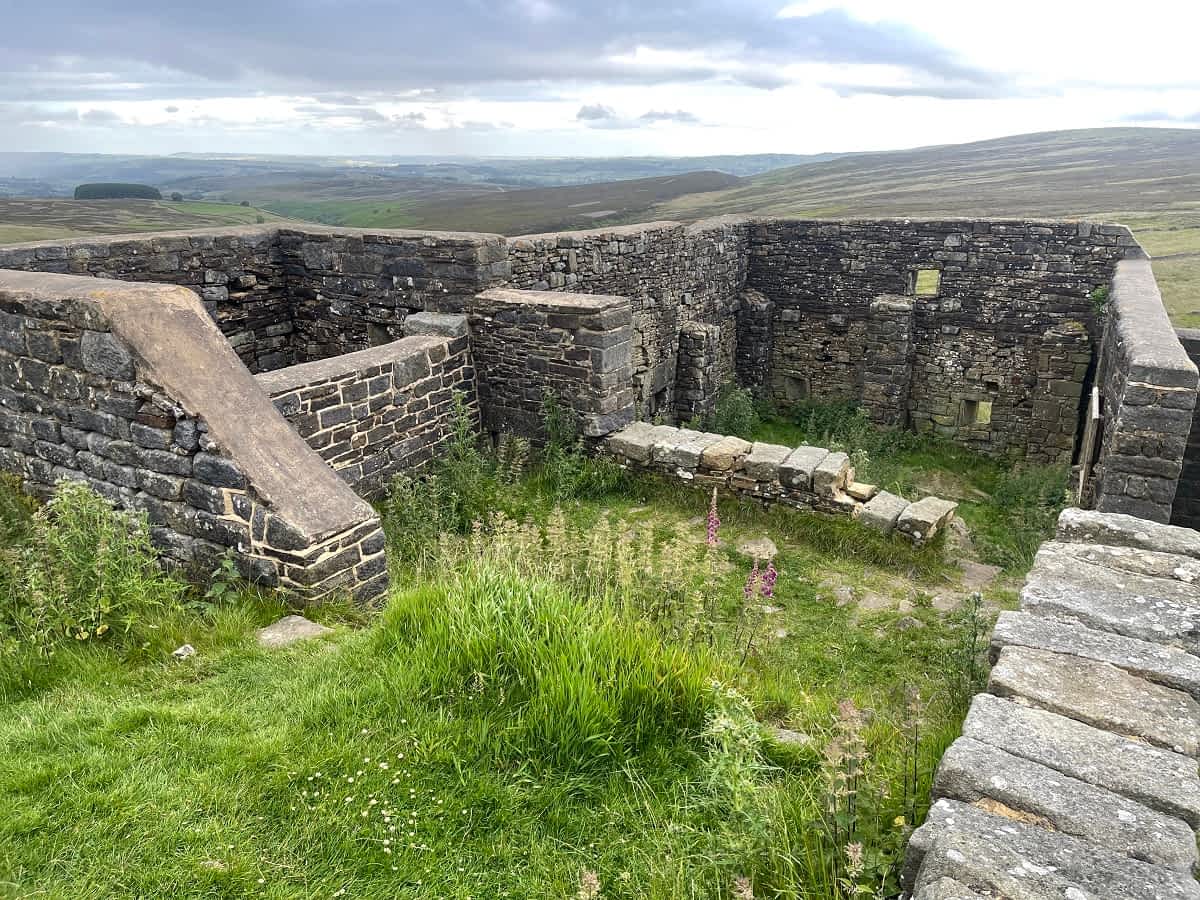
563,78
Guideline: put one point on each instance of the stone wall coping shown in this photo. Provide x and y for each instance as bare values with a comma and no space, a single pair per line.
383,235
180,350
241,231
291,377
553,300
1145,333
614,230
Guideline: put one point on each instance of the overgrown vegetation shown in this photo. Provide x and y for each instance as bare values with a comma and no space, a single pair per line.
575,690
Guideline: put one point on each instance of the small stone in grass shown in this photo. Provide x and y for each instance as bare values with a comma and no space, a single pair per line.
289,630
185,652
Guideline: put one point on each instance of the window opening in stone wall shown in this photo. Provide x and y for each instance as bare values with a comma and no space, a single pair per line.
975,412
924,282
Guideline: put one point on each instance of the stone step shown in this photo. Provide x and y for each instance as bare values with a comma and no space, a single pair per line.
1164,665
1099,694
946,889
1134,561
1158,610
1004,858
972,771
1157,778
925,518
1086,526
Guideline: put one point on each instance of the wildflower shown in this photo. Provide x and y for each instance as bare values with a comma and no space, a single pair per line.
589,885
854,859
899,821
743,889
767,588
714,521
751,582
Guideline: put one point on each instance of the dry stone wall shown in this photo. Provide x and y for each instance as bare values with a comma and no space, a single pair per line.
990,365
1148,386
378,412
1186,510
1076,773
133,390
575,348
674,276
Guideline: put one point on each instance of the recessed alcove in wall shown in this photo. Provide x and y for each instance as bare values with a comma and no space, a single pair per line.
924,282
975,412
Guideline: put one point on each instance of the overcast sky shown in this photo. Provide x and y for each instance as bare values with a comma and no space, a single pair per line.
557,77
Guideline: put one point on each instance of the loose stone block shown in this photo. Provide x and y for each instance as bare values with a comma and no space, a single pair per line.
861,492
925,518
832,474
764,461
797,470
971,771
1161,664
438,324
1157,778
1101,695
726,455
1002,857
289,630
1151,609
882,511
635,441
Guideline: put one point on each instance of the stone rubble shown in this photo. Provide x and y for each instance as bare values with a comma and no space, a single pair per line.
1076,775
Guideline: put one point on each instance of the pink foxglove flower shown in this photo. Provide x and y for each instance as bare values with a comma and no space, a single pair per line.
767,587
714,522
751,582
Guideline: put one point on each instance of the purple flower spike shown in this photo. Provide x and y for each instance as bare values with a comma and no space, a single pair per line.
751,582
767,588
714,522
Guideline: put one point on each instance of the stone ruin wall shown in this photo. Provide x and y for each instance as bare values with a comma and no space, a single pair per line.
1012,323
638,321
1186,511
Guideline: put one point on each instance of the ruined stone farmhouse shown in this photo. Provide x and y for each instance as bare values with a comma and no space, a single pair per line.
250,390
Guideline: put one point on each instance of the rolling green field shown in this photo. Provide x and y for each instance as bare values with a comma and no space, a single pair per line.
47,219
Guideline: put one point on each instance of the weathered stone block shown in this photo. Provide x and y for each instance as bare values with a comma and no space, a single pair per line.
797,470
726,455
764,461
882,511
923,519
831,475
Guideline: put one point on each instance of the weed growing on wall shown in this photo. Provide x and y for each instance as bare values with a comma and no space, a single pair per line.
734,413
82,572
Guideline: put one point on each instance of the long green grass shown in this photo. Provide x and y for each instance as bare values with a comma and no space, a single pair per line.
567,688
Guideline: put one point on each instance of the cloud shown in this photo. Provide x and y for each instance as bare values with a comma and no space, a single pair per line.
79,47
681,116
172,109
99,117
595,112
1162,116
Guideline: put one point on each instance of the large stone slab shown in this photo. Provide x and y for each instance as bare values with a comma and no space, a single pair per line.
925,518
797,470
725,455
1099,694
1004,858
1157,778
1133,560
635,441
665,442
832,474
972,771
686,455
1085,526
882,511
1159,663
1159,610
764,461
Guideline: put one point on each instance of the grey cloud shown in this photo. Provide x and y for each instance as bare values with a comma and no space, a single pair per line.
594,113
1162,116
681,116
99,117
172,109
380,46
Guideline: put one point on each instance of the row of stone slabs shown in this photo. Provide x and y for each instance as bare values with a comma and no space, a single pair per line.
1076,773
802,476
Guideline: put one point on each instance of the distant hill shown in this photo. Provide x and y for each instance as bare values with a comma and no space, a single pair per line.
46,219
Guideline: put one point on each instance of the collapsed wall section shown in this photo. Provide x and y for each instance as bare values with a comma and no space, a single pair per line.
677,278
1148,386
1002,323
133,390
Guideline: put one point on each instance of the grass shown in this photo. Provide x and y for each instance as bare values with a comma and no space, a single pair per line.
574,693
48,219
